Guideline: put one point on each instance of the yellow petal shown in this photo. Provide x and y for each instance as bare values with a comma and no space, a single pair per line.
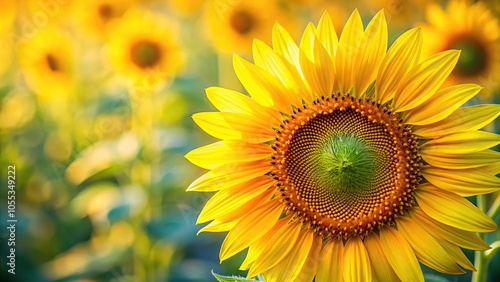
311,264
235,126
316,64
401,57
465,182
461,143
278,245
226,100
463,161
452,209
374,46
327,35
244,232
229,175
356,262
267,59
331,262
397,250
217,226
264,87
459,237
349,47
382,270
237,197
463,119
289,268
423,80
442,104
284,45
457,254
427,249
259,246
218,153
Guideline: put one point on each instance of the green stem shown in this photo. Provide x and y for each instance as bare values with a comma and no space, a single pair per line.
494,209
495,247
480,259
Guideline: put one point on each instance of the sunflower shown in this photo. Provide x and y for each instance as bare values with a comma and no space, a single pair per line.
232,25
48,64
7,14
143,47
471,28
348,161
96,15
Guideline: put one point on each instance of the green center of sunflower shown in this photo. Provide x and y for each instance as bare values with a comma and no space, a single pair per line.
345,163
242,22
145,54
345,166
473,59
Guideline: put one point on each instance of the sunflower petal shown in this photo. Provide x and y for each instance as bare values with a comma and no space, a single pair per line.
374,43
231,199
217,226
397,250
289,267
422,81
235,126
442,104
229,175
226,100
311,264
459,237
331,262
316,64
463,119
327,35
284,45
266,58
244,232
356,262
452,209
263,86
218,153
401,57
427,249
382,270
461,143
278,245
463,161
349,47
465,182
456,254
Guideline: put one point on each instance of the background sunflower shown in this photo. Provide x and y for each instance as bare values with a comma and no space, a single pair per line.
97,127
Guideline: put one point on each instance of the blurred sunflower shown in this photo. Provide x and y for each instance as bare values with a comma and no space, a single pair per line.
187,6
96,15
143,45
7,14
400,13
348,161
233,25
48,63
471,28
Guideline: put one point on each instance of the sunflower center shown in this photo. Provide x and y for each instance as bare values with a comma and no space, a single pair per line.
345,166
473,59
105,11
145,54
345,163
52,63
242,22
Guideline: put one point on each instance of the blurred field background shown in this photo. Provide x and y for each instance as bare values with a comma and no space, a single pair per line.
96,104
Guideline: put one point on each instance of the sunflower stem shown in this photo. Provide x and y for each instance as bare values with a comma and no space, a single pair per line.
480,258
494,209
495,247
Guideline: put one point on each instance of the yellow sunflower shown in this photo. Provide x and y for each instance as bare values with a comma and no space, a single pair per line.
48,63
347,161
232,25
143,47
471,28
96,15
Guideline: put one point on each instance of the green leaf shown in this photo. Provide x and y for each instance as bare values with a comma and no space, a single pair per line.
222,278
